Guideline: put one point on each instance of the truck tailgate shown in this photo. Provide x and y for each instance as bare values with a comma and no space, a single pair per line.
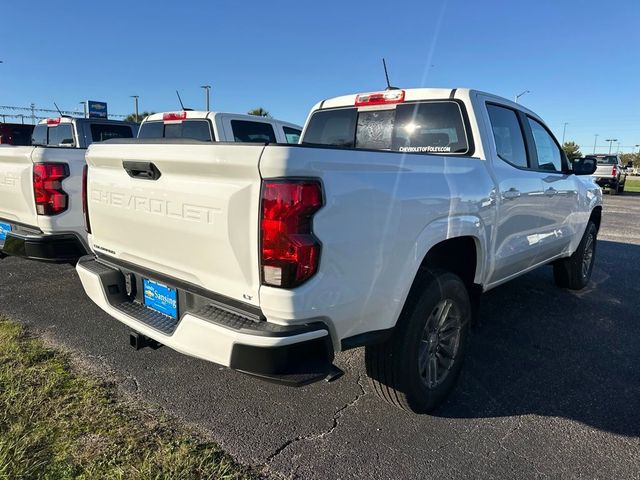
17,202
197,222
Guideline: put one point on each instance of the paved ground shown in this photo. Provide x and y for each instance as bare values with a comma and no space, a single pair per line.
551,388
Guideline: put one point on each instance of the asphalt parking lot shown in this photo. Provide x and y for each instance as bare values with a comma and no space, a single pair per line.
551,387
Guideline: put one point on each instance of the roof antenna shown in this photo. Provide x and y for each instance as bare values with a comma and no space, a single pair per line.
59,111
386,74
184,109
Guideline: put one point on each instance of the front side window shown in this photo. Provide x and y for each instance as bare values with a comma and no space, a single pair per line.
421,127
252,132
549,157
508,135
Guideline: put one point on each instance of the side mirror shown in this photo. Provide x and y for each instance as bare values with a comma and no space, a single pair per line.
629,164
584,166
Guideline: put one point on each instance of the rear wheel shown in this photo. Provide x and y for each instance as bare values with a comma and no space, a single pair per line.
418,366
575,272
620,188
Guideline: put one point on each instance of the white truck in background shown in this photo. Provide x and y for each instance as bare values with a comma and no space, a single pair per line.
40,198
219,127
381,229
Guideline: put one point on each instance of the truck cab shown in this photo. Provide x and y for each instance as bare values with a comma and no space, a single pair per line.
219,127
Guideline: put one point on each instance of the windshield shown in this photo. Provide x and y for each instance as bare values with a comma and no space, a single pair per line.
195,129
424,127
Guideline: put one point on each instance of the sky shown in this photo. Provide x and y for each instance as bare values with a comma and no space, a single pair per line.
580,60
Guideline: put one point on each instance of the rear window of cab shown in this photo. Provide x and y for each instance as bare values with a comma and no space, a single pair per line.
430,127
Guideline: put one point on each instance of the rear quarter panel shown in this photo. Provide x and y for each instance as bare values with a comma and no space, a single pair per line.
383,211
72,219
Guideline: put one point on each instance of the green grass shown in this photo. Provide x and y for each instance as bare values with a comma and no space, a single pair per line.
632,184
58,423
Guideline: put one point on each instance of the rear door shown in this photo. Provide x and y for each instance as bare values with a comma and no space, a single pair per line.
186,210
520,220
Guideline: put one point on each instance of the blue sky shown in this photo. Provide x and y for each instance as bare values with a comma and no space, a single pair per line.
579,59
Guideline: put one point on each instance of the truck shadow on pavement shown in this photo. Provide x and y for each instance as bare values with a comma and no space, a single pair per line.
542,350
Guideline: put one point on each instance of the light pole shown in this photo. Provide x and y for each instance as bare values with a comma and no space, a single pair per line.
33,113
618,148
520,94
564,130
595,143
206,88
135,105
611,140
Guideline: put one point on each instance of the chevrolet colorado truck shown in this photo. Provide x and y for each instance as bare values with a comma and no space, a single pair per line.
219,127
40,199
610,172
381,229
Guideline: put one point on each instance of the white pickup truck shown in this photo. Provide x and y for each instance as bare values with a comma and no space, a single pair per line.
40,198
219,127
381,229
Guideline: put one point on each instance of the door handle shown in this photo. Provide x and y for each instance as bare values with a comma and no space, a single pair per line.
550,192
141,170
511,194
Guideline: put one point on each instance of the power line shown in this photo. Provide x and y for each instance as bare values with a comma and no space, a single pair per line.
46,110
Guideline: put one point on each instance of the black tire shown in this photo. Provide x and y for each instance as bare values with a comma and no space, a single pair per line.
621,187
613,189
575,272
398,368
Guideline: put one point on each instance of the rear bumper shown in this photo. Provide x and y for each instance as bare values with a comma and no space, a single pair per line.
213,331
57,248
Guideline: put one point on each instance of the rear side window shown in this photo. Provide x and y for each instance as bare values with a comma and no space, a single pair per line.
292,134
194,129
549,157
102,132
508,135
60,135
245,131
423,127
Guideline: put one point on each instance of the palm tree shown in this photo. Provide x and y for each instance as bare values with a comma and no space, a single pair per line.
259,112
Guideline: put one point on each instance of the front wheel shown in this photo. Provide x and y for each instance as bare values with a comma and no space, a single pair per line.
418,366
575,272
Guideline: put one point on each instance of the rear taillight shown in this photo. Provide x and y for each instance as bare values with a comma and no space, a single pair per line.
290,252
614,171
85,199
47,187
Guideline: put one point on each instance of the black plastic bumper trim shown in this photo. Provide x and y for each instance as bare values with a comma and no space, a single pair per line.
295,365
59,248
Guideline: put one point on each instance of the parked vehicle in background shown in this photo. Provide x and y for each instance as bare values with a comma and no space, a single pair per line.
40,188
15,134
611,172
381,229
219,127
